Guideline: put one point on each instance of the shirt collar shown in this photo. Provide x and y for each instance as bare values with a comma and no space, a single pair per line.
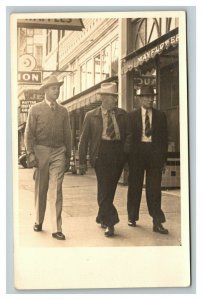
105,111
49,103
144,110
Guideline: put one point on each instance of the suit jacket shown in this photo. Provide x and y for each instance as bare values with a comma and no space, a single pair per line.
91,134
159,135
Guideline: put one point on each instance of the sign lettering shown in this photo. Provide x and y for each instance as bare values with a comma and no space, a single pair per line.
59,24
29,77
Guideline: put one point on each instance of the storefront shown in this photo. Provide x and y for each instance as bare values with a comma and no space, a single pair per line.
156,64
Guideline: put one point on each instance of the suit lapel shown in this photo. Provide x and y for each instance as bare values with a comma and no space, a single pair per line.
154,121
139,121
98,116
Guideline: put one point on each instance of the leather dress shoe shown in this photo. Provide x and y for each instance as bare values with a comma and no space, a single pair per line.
160,229
109,232
37,227
131,223
58,235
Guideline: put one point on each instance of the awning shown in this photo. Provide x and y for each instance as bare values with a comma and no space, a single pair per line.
87,97
148,52
83,101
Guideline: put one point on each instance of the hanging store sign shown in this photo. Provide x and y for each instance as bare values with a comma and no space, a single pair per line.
33,77
173,41
31,97
130,64
34,95
145,80
59,24
26,104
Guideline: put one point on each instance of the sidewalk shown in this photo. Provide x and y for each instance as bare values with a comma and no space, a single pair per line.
79,213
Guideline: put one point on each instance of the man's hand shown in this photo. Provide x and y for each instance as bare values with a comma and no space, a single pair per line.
32,161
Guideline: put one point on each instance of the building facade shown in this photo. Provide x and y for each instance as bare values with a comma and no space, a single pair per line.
131,52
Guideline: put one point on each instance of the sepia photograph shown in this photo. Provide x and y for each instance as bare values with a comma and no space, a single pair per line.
100,150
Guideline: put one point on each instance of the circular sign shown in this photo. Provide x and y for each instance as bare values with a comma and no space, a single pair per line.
26,63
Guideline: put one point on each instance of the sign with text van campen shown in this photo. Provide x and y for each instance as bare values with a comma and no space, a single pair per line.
33,77
60,24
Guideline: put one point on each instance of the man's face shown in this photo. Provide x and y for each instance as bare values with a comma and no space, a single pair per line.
52,92
109,101
147,101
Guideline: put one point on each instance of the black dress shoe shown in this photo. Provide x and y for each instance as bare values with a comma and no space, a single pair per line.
109,232
37,227
58,236
131,223
160,229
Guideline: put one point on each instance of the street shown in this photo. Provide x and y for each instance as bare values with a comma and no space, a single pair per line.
79,213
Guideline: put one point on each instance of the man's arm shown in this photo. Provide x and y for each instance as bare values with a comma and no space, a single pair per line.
68,139
83,142
67,135
30,138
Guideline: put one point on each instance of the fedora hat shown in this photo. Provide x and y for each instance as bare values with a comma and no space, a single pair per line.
51,80
108,88
146,90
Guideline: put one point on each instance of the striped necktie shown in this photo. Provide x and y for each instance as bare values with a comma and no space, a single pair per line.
148,131
110,127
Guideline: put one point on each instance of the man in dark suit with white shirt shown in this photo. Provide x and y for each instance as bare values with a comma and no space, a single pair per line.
148,130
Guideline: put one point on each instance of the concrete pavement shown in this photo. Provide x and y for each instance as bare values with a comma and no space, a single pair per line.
79,213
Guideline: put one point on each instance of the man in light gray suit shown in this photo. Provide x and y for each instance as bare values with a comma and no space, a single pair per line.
48,145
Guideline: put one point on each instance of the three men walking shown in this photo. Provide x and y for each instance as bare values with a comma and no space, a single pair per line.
111,136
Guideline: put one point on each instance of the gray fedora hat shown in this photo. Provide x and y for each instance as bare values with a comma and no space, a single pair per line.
108,88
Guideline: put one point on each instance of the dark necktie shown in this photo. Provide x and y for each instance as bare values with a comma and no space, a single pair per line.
110,127
147,125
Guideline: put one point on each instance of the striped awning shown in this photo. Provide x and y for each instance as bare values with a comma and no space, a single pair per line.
83,101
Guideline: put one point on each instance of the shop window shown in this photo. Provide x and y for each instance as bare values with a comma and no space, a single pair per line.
114,58
89,73
105,63
141,78
83,77
97,68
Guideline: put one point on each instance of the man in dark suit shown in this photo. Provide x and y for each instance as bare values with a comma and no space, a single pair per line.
148,152
104,131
